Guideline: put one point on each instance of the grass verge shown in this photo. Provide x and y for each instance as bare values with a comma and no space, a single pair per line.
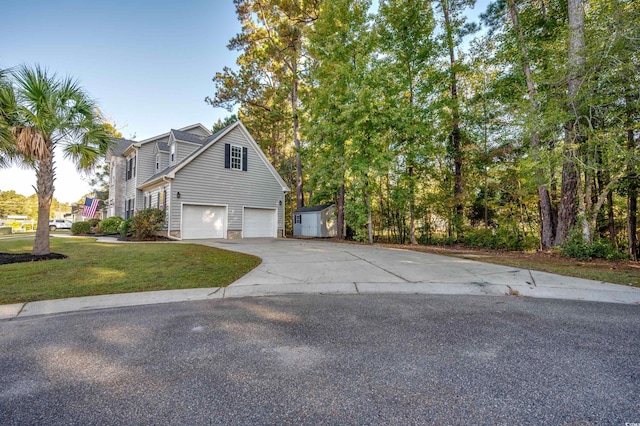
94,268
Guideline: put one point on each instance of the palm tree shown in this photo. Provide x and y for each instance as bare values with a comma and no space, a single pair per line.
40,111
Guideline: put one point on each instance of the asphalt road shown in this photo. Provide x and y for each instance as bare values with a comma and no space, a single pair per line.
387,359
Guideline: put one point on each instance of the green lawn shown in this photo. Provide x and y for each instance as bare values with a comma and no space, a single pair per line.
102,268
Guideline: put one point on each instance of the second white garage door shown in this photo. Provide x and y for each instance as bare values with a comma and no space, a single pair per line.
259,223
203,221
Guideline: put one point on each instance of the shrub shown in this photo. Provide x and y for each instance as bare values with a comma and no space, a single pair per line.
146,223
126,228
80,228
111,225
94,222
601,248
500,239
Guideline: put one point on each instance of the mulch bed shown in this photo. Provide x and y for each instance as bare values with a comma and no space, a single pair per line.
6,258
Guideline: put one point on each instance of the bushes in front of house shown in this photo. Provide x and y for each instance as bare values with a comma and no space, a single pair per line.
111,225
144,225
78,228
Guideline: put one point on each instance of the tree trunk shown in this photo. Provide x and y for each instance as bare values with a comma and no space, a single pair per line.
412,208
611,218
568,214
296,143
340,215
455,135
45,176
632,200
546,220
367,203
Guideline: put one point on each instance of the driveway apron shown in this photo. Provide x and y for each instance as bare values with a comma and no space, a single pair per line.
316,266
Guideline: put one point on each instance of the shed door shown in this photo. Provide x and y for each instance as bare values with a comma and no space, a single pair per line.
310,225
259,223
200,222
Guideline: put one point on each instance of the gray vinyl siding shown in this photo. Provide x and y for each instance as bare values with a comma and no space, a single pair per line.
164,160
198,131
146,168
183,149
206,181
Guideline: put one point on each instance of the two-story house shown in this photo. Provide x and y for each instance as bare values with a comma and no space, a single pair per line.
211,185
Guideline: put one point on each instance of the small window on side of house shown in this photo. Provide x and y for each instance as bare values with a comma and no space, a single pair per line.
157,162
236,157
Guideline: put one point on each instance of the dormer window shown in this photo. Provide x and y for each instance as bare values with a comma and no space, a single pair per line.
172,153
157,162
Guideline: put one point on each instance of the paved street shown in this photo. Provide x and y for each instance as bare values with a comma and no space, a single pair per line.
326,359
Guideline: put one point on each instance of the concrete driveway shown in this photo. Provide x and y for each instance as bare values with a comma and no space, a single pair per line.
291,266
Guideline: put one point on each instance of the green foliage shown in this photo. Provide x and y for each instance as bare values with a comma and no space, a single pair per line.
600,248
146,223
81,228
126,228
39,112
111,225
94,222
499,239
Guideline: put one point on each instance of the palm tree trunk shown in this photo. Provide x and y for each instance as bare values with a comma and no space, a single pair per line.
44,188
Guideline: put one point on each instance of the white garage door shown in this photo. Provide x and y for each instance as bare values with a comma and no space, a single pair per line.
259,223
202,222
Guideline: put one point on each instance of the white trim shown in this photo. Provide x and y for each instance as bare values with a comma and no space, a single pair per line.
275,224
231,146
224,224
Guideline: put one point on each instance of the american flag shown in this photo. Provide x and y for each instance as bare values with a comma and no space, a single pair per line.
90,207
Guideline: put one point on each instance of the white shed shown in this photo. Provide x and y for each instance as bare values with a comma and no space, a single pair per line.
315,221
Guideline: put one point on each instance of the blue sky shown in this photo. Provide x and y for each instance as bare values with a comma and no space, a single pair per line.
148,63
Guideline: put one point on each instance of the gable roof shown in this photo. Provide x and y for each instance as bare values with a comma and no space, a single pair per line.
187,137
318,208
120,146
162,146
184,129
169,173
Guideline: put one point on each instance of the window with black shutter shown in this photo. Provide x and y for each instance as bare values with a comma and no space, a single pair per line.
235,157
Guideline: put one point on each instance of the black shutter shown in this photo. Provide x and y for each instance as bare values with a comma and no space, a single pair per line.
244,158
227,156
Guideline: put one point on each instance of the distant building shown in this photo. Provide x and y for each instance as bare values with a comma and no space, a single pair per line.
315,221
